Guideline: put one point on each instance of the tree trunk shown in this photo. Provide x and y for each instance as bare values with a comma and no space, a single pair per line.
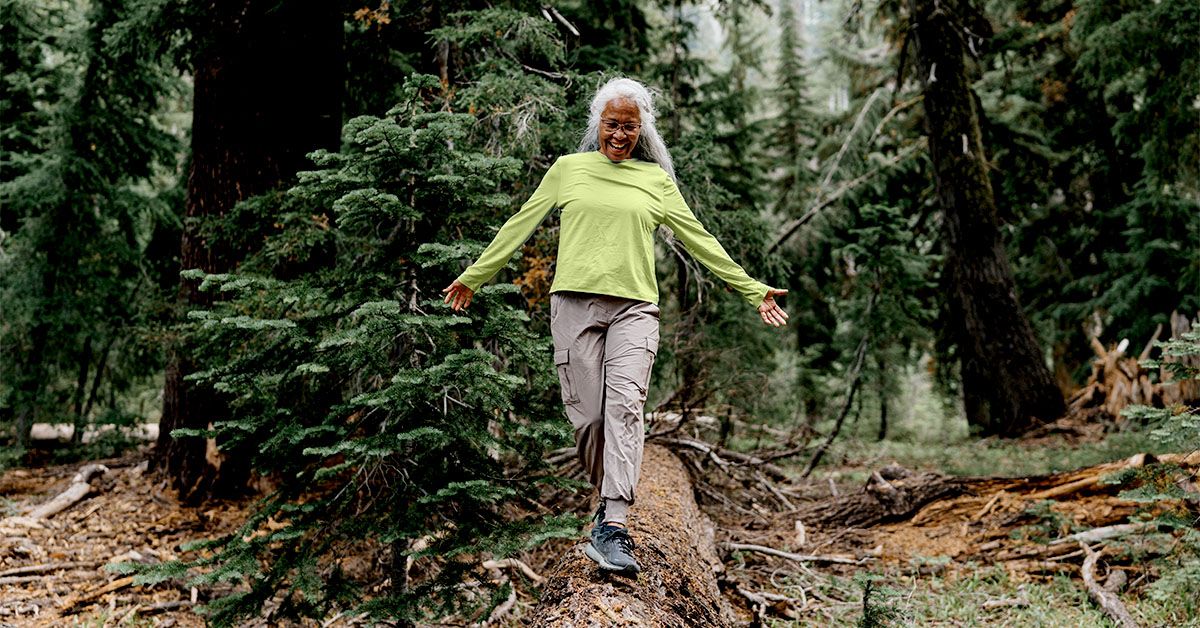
1007,387
674,546
268,87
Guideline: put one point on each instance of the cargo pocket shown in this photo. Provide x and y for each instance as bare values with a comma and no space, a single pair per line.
651,351
562,362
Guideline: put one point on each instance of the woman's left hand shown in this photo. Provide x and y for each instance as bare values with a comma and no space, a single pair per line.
770,311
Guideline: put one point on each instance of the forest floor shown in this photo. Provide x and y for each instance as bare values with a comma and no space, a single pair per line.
980,554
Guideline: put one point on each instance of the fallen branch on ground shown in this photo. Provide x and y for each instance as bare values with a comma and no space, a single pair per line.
514,563
74,603
34,569
800,558
80,487
1106,532
719,454
1107,600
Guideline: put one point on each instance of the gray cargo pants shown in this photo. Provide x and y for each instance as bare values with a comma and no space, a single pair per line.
604,348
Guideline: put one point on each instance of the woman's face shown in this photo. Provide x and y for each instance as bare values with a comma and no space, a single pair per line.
620,125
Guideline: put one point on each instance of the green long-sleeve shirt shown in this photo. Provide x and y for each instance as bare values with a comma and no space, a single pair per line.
606,244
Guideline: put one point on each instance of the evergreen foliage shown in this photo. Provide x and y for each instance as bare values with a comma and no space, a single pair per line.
1167,490
82,95
1091,123
391,422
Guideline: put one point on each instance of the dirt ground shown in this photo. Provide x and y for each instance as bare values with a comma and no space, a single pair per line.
52,571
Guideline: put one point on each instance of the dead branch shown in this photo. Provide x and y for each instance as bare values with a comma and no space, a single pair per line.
79,489
1137,460
510,563
500,611
34,569
76,602
1100,534
800,558
719,454
1107,600
855,372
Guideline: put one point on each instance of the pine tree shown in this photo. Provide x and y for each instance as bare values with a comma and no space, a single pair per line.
1007,388
792,135
396,426
267,91
71,272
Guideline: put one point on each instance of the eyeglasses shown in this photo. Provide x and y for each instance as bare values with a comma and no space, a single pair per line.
629,127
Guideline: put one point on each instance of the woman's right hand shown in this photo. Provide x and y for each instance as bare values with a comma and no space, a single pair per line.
460,293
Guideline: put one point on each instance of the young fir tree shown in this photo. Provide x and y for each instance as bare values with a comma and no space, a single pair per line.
1168,490
396,427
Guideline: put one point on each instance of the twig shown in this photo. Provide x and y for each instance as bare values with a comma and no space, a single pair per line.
511,563
757,602
855,380
1100,534
1107,600
503,609
783,500
30,569
800,558
1005,603
19,579
88,597
718,454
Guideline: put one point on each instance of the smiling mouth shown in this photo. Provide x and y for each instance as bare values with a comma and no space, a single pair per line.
618,146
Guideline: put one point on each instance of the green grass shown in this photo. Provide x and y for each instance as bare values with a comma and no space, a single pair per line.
930,433
958,600
991,457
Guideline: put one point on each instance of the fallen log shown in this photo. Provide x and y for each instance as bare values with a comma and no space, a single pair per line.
674,545
892,493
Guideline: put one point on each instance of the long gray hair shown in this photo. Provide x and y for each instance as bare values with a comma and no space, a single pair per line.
650,146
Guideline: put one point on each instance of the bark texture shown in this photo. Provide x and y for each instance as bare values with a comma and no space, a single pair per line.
674,546
268,85
1007,387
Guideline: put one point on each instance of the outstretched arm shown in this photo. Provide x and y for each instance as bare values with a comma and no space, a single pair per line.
704,247
514,233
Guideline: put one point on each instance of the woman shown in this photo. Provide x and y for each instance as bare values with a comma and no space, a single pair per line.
613,193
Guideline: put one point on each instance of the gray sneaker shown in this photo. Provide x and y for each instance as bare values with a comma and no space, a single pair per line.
612,549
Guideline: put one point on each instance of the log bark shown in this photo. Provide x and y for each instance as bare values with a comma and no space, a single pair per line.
1007,387
674,545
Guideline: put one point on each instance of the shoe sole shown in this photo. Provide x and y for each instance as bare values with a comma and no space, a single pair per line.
604,564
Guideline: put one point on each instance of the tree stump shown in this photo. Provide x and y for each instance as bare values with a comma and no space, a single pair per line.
674,546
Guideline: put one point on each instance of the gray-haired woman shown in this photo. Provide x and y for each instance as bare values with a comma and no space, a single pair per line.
614,192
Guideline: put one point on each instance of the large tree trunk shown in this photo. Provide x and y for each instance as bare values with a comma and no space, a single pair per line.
1007,387
268,86
677,585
